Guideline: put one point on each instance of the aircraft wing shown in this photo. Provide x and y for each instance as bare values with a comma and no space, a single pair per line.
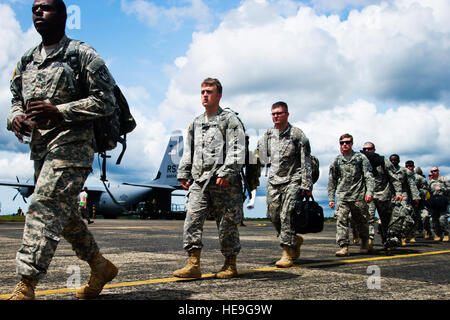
151,185
20,185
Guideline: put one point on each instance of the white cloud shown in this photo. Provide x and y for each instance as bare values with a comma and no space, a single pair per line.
145,144
16,165
157,16
337,5
410,130
381,74
392,53
14,43
414,132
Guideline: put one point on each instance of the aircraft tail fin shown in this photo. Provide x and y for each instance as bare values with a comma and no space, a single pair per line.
167,173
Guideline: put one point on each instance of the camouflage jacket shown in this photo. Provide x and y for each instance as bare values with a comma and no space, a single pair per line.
80,95
422,185
350,179
214,147
440,183
409,187
289,155
386,182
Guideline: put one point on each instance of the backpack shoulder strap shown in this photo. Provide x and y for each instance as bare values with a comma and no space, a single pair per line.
72,55
26,59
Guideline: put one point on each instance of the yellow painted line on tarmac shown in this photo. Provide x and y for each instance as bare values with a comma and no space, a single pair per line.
135,227
211,275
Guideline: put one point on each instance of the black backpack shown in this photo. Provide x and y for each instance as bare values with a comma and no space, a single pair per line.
309,217
315,168
112,129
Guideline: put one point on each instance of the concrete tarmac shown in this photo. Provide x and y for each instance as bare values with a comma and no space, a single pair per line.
148,251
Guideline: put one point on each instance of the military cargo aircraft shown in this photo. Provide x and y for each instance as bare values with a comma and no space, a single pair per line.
152,200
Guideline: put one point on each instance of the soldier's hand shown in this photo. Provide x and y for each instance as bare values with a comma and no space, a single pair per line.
331,204
369,199
416,203
185,184
222,182
398,198
45,115
21,127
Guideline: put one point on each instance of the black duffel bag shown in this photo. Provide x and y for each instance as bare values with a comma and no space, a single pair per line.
308,218
436,204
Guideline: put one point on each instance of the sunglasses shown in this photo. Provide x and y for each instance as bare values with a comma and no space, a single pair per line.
43,7
277,113
345,142
368,149
434,171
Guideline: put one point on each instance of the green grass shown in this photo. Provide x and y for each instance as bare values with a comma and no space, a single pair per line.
12,218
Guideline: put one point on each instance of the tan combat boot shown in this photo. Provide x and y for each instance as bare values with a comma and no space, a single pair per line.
437,238
286,260
102,271
446,238
370,246
427,235
297,247
24,290
192,268
229,269
343,252
403,242
412,240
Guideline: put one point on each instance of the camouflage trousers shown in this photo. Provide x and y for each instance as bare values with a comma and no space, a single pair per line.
53,213
359,214
224,204
282,202
440,222
426,218
384,209
371,219
421,219
400,225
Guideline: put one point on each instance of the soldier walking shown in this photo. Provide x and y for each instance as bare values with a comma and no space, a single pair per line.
351,181
402,222
421,214
49,107
213,157
290,178
386,188
439,188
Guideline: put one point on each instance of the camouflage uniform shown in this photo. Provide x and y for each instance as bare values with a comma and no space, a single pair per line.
387,186
350,179
440,225
421,214
402,222
214,148
290,173
62,154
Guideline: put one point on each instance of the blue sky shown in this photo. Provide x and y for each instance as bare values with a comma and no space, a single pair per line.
378,70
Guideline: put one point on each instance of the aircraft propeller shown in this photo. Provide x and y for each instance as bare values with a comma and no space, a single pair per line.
20,191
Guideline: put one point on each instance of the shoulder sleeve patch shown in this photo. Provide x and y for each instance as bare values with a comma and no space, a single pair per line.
95,65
